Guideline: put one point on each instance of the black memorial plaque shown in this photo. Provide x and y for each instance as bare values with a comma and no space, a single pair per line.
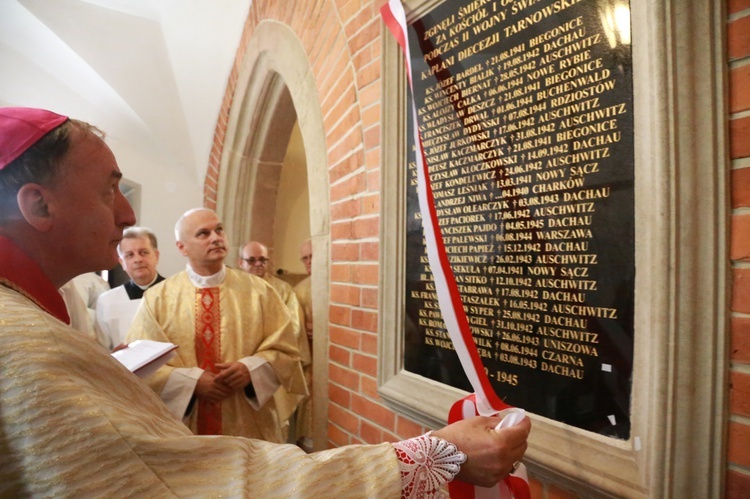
525,111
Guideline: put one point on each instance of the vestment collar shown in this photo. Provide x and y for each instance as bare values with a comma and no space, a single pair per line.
153,281
135,291
22,274
210,281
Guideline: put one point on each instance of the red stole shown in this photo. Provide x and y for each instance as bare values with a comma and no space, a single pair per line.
208,353
21,273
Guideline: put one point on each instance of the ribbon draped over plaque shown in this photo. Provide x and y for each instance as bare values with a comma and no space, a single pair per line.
484,401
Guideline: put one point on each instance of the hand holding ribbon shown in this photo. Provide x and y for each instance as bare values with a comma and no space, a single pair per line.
484,401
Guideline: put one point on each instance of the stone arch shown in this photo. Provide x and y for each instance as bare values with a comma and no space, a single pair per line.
258,140
274,88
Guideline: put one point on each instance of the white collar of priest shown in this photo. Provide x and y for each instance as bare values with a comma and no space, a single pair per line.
203,281
144,288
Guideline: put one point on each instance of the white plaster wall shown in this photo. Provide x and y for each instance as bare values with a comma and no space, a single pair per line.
166,193
138,70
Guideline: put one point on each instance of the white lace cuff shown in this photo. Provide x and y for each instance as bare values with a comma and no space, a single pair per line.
427,463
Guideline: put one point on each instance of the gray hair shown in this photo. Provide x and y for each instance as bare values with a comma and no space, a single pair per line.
39,164
138,233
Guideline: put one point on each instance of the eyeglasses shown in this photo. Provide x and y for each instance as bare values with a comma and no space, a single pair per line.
252,260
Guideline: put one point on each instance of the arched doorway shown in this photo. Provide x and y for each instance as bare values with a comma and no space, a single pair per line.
275,89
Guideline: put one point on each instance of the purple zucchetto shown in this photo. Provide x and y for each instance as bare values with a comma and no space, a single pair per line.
21,128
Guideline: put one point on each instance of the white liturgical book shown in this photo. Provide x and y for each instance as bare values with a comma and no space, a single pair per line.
144,357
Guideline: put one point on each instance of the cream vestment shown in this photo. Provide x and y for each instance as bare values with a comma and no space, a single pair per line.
114,314
80,319
287,403
303,290
237,318
116,308
75,423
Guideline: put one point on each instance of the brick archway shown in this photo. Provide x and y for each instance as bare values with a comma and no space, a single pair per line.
274,88
328,55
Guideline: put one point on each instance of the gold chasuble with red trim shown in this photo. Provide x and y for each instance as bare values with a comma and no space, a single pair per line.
118,438
242,317
208,353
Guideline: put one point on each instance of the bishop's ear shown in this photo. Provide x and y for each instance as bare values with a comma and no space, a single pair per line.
33,205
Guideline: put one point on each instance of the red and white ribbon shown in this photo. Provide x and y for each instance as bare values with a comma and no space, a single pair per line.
449,297
484,401
515,485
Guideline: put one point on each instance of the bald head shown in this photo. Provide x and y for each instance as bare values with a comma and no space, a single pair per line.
200,237
180,226
253,258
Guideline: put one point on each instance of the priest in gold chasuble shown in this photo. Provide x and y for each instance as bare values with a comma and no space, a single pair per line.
235,336
253,259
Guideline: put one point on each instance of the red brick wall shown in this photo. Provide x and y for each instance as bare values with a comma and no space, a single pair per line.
342,40
738,52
